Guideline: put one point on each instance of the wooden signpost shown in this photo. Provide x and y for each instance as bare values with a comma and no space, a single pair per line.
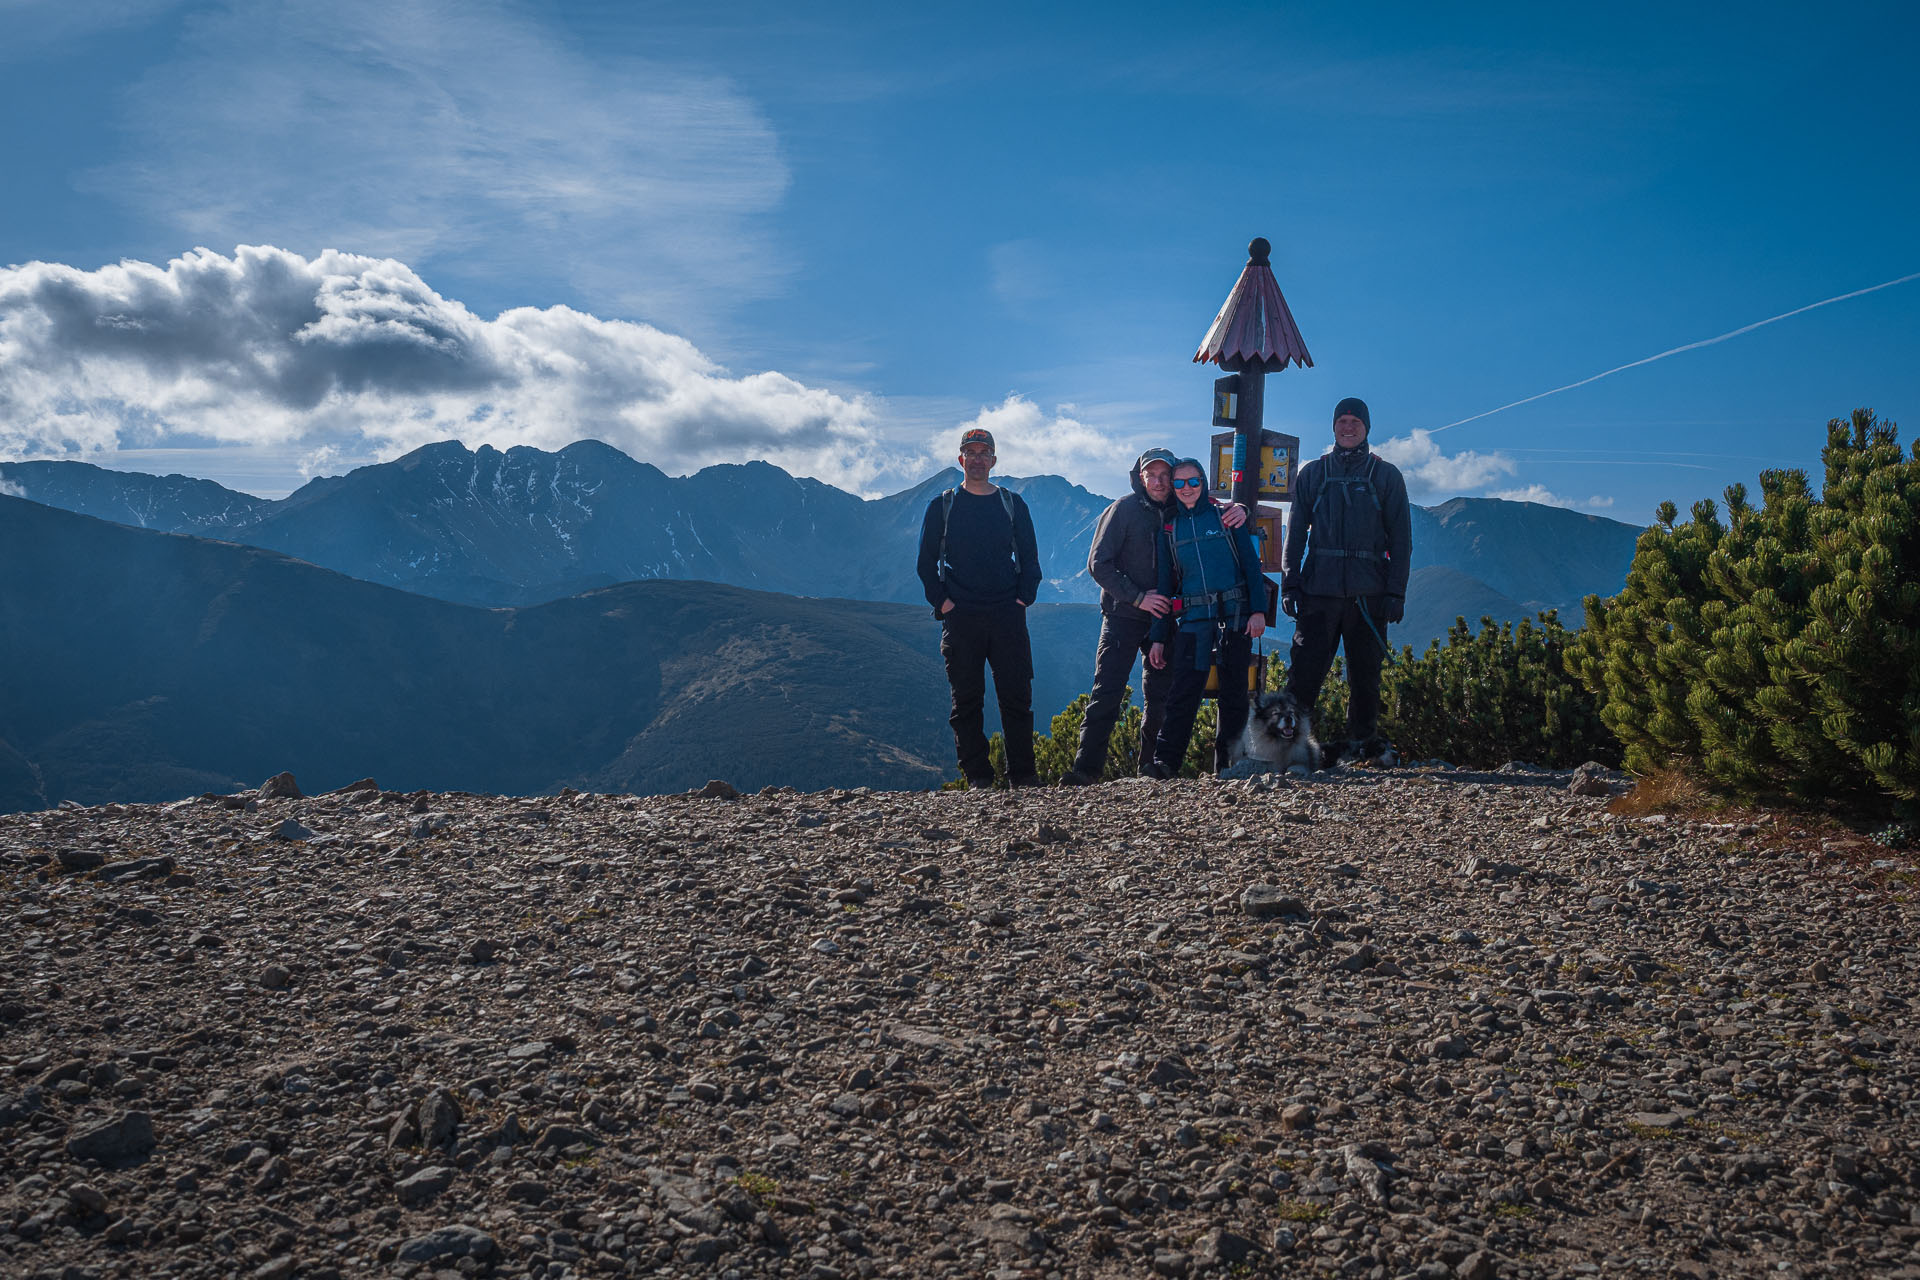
1252,335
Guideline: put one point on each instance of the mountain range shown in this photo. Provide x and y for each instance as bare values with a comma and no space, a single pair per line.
527,526
522,621
143,666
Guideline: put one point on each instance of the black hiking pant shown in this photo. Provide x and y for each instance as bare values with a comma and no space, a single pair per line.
972,640
1329,622
1122,639
1233,654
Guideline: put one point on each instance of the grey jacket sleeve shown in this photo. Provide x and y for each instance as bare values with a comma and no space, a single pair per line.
1398,519
1103,557
1161,629
1299,520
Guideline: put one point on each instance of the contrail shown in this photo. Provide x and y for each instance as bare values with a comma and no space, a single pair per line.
1691,346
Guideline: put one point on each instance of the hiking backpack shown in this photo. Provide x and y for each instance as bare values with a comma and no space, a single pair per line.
946,516
1347,482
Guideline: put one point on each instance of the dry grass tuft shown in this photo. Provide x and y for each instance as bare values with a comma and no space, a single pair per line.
1669,791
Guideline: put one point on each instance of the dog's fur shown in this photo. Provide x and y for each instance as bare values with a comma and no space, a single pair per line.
1279,732
1377,752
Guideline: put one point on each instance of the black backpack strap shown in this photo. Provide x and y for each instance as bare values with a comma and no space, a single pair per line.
946,518
1233,545
1013,526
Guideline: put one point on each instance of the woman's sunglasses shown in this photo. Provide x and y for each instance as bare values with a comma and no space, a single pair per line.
1190,482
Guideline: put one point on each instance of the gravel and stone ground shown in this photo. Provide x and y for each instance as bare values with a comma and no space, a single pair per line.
1417,1023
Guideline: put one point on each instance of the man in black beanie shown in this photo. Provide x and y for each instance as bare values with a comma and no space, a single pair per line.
1352,527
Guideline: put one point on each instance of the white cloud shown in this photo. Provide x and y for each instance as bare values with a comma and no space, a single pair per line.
464,136
1030,442
1547,498
10,489
343,356
1432,473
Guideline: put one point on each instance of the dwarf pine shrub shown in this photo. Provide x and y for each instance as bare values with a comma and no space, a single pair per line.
1776,651
1499,694
1482,699
1054,750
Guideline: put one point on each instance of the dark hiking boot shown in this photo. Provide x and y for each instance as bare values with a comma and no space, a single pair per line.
984,783
1075,778
1026,780
1376,753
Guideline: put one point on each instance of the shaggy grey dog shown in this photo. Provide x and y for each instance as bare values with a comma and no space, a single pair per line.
1279,732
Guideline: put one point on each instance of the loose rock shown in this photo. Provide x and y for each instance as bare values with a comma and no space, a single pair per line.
125,1139
945,1034
280,786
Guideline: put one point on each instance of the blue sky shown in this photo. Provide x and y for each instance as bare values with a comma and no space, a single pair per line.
831,236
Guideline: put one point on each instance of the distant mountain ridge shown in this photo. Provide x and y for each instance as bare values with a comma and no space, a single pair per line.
1541,557
145,666
525,526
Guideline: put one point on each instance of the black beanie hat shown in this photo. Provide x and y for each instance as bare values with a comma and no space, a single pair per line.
1357,407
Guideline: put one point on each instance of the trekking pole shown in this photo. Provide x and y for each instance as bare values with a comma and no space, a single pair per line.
1367,618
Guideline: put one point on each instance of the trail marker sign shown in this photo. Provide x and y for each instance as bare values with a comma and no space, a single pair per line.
1226,400
1276,467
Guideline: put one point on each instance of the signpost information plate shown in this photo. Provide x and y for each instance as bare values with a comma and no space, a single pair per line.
1270,525
1278,464
1226,400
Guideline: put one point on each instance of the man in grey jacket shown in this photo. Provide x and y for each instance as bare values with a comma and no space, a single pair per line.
1125,561
1351,524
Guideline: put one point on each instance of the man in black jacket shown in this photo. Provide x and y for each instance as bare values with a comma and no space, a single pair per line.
1124,560
981,569
1351,523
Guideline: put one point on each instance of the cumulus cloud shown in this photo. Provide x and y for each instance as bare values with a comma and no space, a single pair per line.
1031,442
348,356
10,489
465,137
1547,498
1432,473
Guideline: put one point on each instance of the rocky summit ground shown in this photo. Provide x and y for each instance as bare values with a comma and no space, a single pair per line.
1417,1023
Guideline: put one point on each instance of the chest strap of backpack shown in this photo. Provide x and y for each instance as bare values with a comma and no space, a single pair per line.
1365,478
1232,595
1345,481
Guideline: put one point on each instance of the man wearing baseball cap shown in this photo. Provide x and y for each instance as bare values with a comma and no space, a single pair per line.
1352,525
980,566
1124,559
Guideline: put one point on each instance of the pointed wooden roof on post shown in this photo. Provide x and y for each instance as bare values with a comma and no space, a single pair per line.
1254,328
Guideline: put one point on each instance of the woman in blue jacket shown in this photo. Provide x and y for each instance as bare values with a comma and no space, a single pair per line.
1213,575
